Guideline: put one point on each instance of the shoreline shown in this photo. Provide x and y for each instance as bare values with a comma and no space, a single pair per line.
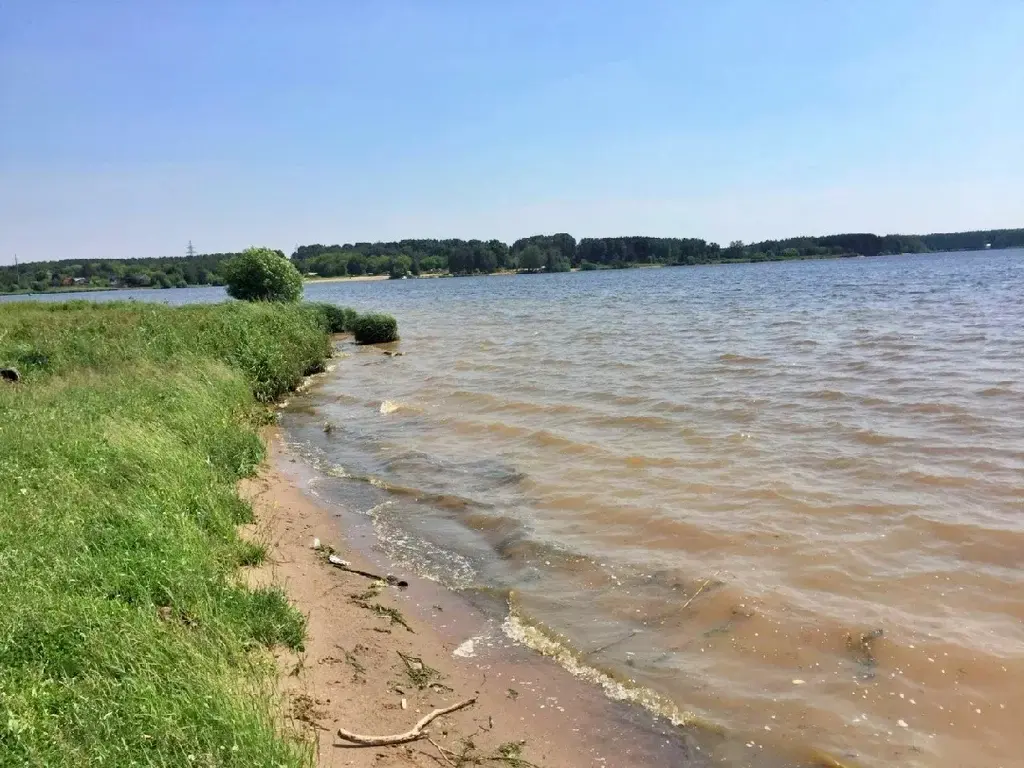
351,674
99,289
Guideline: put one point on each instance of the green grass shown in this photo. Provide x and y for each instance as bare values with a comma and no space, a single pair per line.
272,346
335,319
126,637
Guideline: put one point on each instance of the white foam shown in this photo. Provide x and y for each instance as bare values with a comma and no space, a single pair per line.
520,632
466,650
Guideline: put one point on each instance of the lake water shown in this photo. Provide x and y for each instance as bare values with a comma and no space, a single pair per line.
785,500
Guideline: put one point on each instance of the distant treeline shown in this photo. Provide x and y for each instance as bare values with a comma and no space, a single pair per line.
551,253
561,252
70,274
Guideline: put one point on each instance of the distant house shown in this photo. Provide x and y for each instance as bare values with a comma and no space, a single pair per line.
66,281
81,281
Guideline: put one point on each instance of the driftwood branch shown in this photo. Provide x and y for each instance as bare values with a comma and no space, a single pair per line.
401,738
345,565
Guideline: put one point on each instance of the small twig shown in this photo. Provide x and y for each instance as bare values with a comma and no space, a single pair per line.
440,751
345,565
416,732
702,586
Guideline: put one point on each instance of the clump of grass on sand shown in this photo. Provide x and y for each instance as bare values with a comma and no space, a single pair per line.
125,636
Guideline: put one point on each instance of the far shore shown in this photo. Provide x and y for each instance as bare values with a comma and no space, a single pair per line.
65,289
345,279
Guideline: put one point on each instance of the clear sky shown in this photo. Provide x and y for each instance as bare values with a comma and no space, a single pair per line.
129,128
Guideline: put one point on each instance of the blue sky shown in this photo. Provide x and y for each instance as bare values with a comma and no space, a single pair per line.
127,129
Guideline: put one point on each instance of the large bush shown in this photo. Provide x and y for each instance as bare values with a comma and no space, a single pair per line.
260,274
375,329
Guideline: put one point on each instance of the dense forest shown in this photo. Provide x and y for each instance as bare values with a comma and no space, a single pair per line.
548,253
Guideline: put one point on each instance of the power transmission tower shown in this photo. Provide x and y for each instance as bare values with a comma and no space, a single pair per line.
190,251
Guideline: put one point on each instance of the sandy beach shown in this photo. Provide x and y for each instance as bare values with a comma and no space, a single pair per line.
347,279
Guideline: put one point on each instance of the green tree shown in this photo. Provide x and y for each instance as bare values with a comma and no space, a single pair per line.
735,251
400,267
484,259
556,262
260,274
356,265
531,259
460,259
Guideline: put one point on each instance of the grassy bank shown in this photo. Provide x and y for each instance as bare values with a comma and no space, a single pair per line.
125,635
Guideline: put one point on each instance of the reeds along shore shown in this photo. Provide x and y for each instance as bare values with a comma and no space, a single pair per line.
125,635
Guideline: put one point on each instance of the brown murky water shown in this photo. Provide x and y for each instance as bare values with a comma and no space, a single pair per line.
785,500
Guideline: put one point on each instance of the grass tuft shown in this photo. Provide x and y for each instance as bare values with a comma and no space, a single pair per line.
250,553
334,319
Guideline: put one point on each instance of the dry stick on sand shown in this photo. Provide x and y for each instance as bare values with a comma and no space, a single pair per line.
401,738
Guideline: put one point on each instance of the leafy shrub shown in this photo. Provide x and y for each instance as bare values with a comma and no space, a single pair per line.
335,319
260,274
375,329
